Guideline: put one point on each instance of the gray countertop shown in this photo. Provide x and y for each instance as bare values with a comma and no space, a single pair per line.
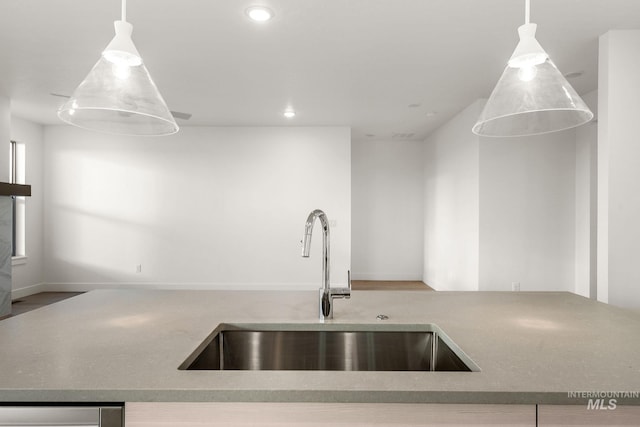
126,345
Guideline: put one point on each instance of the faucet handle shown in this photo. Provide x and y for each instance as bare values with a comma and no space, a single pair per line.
342,292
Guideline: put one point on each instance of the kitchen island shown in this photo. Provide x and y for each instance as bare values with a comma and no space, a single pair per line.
127,345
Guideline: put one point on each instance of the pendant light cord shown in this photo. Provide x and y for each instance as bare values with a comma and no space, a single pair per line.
124,10
527,11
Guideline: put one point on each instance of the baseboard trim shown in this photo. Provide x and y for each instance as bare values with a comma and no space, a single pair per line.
86,287
387,277
28,290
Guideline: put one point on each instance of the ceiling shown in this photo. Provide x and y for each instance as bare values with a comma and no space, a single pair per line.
381,67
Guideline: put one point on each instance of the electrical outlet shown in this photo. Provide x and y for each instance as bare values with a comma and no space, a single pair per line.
333,223
515,286
139,268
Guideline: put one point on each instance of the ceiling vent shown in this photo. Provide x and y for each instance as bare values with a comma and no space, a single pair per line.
402,135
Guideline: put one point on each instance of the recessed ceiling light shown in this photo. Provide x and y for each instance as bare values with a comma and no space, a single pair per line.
289,113
369,135
416,105
432,113
259,13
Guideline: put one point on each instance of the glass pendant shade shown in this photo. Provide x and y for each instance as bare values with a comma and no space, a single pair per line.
532,96
118,95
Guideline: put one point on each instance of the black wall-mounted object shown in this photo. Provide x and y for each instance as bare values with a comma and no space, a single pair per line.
7,189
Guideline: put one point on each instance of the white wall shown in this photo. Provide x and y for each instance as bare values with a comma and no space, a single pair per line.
602,273
586,202
387,210
5,135
527,212
618,171
499,210
30,273
451,206
5,213
208,207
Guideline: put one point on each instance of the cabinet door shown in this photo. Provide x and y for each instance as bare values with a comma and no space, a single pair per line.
152,414
581,415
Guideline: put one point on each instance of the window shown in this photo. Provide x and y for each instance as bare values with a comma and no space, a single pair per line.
17,176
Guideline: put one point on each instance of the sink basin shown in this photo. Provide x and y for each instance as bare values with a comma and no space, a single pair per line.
329,348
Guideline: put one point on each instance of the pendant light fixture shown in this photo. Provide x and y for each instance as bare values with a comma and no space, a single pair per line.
119,96
532,96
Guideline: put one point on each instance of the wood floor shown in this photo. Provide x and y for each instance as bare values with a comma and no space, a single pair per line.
25,304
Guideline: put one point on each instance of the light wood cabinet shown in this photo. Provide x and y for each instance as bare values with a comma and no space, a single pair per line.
154,414
580,415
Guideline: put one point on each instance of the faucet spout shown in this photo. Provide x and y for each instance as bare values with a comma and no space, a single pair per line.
306,245
326,293
306,242
308,230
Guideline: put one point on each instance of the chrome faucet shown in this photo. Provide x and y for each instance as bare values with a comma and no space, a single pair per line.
326,292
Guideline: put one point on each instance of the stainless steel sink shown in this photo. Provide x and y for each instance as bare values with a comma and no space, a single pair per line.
329,348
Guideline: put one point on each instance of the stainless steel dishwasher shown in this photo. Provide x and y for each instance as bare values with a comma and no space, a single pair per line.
61,416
